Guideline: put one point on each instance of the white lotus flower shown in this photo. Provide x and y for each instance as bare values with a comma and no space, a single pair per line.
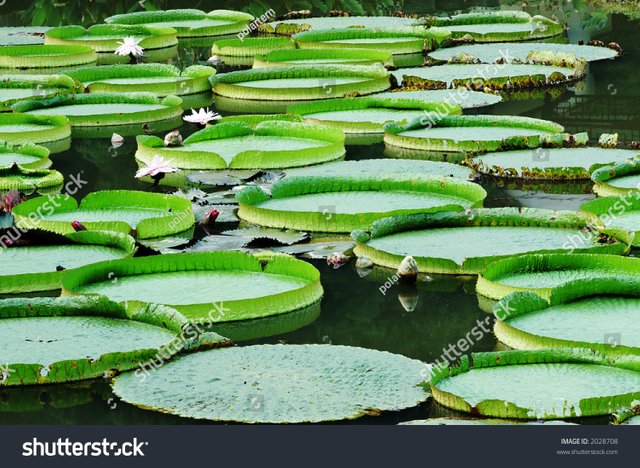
158,166
202,117
129,46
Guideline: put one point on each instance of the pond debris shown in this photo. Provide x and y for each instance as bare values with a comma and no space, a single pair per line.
201,117
173,138
408,270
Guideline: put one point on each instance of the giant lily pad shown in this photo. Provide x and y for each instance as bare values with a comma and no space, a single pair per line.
367,114
18,129
147,215
206,287
477,422
100,109
105,38
518,52
296,25
250,46
61,340
547,384
398,42
499,26
40,267
485,76
470,134
476,238
548,163
27,156
20,178
238,145
341,204
461,97
373,167
279,384
15,88
619,179
597,313
22,35
287,57
541,274
188,22
46,56
300,82
160,79
619,216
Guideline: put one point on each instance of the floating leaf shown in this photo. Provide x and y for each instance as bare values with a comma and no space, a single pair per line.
46,56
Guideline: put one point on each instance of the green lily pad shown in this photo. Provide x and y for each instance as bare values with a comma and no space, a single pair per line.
477,238
29,35
282,237
250,46
245,289
541,274
188,22
296,25
41,267
372,167
160,79
396,41
470,134
46,56
300,82
281,380
619,179
288,57
546,384
19,129
367,114
618,216
483,76
461,97
105,109
340,204
21,178
595,313
146,215
26,156
62,340
499,26
105,38
238,145
478,422
15,88
514,52
548,163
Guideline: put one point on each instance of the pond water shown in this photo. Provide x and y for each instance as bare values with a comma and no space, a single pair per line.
360,311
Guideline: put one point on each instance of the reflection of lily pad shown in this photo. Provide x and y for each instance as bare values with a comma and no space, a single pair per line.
541,274
548,163
340,204
342,382
61,340
244,289
146,214
41,267
542,384
188,22
300,82
477,238
160,79
102,109
238,145
46,56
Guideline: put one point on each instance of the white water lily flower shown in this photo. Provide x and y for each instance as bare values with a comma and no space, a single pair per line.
129,46
202,117
156,167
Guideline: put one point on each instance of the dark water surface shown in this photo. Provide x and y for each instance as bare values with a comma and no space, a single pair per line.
354,310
